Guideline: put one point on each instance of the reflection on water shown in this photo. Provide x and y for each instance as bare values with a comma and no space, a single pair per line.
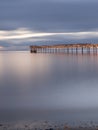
48,86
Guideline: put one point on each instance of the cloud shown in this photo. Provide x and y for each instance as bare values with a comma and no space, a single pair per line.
30,21
23,33
1,47
22,38
56,15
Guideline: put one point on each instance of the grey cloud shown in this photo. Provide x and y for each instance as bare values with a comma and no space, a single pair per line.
49,15
4,44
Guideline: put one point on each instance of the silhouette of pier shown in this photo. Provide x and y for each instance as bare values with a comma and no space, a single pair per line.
64,48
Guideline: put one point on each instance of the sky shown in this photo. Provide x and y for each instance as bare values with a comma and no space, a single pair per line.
35,22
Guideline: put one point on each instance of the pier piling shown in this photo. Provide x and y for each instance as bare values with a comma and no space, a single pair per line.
64,48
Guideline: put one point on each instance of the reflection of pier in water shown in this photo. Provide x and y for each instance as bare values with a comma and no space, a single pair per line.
64,48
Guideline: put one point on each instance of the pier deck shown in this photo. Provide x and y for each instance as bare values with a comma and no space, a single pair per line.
64,48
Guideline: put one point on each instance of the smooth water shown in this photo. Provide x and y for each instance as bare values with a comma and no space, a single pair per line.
62,87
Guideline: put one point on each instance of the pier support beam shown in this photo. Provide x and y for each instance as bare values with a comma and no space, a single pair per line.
67,50
82,50
76,50
64,48
33,50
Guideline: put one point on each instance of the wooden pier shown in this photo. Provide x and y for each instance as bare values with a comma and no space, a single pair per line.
64,48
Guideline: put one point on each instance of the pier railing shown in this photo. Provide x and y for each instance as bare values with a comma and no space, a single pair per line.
64,48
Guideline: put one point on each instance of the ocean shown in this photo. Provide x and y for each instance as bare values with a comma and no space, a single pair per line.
56,87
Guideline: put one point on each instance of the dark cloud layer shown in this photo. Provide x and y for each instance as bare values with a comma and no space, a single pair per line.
49,15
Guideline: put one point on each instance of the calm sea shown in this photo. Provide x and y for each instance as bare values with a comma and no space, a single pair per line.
59,87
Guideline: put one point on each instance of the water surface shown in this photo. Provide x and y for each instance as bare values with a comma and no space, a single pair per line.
62,87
